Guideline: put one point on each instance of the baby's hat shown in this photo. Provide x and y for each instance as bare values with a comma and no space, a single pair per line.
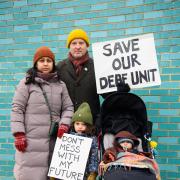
123,136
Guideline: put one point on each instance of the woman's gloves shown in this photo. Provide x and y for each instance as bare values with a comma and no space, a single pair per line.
63,128
20,141
92,176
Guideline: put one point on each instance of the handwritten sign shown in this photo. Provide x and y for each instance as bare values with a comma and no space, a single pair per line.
70,157
130,60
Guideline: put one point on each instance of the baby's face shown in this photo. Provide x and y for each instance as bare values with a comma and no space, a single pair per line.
126,145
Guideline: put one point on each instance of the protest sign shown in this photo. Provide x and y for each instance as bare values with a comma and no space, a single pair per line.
70,157
131,60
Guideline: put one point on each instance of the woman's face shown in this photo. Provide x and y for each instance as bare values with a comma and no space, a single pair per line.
80,127
45,65
126,145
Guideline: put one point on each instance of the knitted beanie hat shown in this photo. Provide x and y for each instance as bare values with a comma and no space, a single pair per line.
83,114
77,34
43,52
121,140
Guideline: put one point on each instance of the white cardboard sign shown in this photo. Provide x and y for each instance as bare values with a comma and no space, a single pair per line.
70,157
131,60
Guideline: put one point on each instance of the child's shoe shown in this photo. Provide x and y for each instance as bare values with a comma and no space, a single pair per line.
92,176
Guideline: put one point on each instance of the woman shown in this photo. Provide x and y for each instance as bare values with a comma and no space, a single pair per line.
40,99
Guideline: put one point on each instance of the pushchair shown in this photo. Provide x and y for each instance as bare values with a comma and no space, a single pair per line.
124,111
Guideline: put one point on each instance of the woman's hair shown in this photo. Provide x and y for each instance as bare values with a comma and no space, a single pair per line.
90,131
32,73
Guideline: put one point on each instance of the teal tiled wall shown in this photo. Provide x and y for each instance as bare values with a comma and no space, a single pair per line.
28,24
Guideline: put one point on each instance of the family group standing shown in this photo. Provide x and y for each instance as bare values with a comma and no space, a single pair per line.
52,100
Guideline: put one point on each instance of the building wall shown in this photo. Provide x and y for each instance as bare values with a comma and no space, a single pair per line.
28,24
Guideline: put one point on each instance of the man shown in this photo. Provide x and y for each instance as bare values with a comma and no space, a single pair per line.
77,71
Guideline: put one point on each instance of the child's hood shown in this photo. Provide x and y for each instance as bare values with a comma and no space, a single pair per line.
127,135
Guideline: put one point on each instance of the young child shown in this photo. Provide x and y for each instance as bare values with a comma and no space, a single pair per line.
124,154
124,142
82,125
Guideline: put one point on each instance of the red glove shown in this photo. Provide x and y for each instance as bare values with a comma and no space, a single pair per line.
112,157
63,128
109,155
20,141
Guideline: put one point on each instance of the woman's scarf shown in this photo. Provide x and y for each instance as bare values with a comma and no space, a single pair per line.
78,63
46,77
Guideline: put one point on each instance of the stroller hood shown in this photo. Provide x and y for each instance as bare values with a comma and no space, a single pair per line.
124,111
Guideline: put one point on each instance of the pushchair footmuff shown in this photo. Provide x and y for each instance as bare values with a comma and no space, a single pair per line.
131,166
120,173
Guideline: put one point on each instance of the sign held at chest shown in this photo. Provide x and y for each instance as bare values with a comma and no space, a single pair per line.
70,157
